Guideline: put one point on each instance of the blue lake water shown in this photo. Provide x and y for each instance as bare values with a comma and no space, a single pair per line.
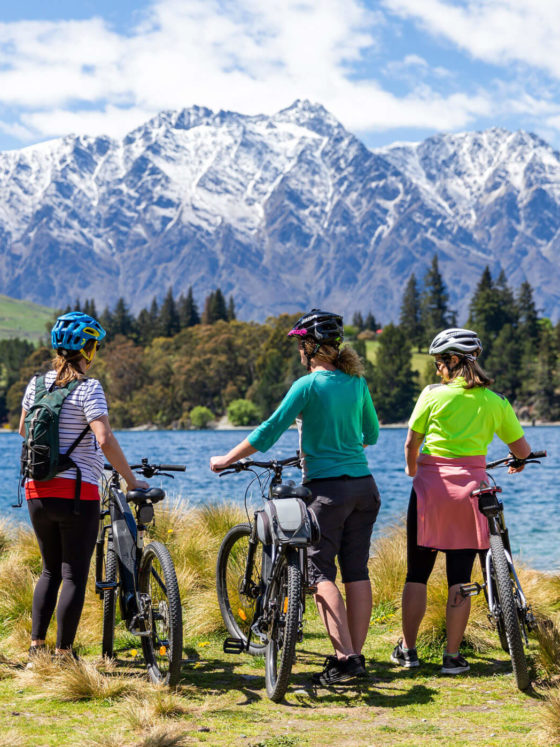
530,498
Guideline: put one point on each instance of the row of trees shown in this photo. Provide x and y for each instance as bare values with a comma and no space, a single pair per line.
160,321
173,367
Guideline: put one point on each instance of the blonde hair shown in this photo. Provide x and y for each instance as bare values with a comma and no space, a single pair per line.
345,359
470,370
66,364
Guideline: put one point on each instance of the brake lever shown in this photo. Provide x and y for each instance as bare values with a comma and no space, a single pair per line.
165,474
227,472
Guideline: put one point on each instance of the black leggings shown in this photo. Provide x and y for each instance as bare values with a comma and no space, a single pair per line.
421,560
66,542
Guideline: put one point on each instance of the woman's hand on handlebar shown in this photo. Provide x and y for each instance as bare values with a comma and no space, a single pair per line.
243,449
219,463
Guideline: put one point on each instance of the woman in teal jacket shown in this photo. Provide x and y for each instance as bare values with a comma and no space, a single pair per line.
336,419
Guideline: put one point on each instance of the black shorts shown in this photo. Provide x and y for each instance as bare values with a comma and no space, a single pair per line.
346,509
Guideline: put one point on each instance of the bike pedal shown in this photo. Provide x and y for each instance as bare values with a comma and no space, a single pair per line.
470,590
311,589
234,646
105,585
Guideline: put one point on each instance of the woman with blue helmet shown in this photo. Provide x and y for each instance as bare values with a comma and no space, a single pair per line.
66,538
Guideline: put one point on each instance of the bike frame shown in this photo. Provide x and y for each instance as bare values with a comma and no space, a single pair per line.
127,538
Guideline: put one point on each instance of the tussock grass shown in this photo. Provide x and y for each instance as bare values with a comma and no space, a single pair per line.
11,738
74,681
153,705
548,637
551,715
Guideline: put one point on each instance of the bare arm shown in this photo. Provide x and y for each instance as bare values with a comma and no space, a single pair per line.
112,450
521,450
411,450
243,449
22,423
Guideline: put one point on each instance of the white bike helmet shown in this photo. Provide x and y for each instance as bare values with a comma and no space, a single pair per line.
456,341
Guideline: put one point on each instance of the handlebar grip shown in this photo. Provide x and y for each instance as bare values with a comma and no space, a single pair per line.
173,467
537,454
107,466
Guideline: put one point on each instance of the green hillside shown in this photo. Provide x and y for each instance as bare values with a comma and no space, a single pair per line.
23,319
418,361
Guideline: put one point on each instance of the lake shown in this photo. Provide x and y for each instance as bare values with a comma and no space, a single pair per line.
530,497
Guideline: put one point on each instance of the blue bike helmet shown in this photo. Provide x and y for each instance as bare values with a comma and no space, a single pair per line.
71,331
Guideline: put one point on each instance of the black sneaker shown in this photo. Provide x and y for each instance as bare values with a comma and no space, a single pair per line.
407,659
454,664
340,670
362,659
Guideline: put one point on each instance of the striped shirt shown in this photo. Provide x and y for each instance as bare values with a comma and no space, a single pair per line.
86,403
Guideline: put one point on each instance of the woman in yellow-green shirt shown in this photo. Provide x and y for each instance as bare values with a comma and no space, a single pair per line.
456,420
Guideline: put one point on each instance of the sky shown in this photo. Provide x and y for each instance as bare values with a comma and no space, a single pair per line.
389,70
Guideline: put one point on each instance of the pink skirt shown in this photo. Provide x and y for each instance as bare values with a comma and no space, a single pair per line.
448,518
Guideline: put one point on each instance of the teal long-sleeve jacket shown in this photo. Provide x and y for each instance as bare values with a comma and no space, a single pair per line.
336,419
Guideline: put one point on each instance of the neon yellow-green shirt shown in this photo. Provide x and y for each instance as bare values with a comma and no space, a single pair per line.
462,422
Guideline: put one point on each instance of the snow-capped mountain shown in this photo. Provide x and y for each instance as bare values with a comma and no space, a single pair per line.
283,212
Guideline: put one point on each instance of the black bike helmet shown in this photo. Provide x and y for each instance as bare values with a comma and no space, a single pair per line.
322,327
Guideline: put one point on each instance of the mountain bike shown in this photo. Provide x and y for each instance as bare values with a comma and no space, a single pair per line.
142,578
261,573
508,608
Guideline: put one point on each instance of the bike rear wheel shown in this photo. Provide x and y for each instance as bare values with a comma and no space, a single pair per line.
237,608
509,612
163,647
109,603
284,613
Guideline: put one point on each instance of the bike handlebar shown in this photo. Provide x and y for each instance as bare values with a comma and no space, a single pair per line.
512,461
248,463
150,470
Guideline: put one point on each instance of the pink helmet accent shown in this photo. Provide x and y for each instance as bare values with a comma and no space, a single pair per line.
299,332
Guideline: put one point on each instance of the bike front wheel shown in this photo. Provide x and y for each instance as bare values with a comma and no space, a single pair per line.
238,606
508,613
109,603
284,614
163,647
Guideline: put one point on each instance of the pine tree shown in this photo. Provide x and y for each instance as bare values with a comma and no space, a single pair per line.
89,308
529,330
122,320
434,310
358,321
409,317
394,382
370,322
168,316
207,314
491,308
545,381
188,310
231,310
219,307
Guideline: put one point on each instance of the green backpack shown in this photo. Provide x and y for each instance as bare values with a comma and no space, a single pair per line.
40,455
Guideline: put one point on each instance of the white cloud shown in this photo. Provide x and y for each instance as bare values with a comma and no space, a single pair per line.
496,31
248,56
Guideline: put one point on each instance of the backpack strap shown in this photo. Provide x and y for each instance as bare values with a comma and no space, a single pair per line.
64,459
40,388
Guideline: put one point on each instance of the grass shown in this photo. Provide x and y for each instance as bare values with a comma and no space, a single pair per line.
221,700
23,319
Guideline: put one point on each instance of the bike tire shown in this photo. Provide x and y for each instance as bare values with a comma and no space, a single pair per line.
509,613
109,603
163,648
238,610
283,635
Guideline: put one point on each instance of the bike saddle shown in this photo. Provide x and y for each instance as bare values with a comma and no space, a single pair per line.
292,491
141,496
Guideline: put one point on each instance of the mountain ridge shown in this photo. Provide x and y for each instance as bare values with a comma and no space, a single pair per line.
284,212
